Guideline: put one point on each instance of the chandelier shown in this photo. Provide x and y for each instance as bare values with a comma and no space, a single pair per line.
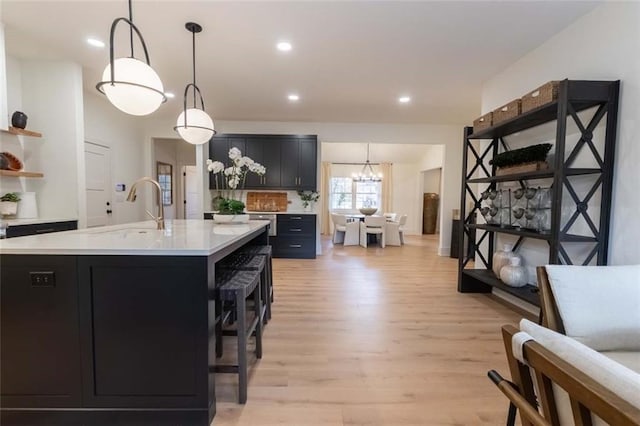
367,174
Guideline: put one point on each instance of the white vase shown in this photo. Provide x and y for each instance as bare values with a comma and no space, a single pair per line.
514,274
8,208
230,218
307,208
501,258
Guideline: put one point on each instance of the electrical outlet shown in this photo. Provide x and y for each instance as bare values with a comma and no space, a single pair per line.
43,279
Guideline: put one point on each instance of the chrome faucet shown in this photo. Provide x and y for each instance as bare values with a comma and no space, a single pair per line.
132,197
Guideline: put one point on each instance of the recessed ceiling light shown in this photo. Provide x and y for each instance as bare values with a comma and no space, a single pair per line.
404,99
284,46
95,42
293,97
169,95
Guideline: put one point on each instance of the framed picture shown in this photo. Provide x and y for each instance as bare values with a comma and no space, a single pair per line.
165,178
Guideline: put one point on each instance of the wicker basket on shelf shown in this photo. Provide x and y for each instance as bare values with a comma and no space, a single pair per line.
506,112
543,95
483,122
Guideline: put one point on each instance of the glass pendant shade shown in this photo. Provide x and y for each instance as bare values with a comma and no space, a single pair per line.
197,129
136,90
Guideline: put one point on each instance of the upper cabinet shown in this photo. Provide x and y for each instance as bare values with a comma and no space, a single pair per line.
299,156
290,160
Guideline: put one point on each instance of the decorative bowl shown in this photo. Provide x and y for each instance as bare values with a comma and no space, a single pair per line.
14,162
230,218
368,211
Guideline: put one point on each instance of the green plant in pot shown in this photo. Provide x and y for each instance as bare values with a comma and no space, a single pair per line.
308,197
9,203
230,181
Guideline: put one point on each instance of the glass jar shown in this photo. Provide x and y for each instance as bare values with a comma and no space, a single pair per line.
514,274
501,258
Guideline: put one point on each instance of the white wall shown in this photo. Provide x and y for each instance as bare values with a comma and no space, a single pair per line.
448,135
603,44
51,96
432,181
4,112
124,135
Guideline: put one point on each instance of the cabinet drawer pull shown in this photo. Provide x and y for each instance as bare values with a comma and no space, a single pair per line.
296,218
295,229
295,245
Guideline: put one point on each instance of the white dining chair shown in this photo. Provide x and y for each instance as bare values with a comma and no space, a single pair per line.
391,217
344,232
392,233
402,222
373,225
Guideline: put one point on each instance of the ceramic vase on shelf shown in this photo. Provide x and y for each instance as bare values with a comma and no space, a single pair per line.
501,258
514,274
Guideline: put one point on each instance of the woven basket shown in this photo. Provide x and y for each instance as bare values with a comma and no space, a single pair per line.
543,95
483,122
506,112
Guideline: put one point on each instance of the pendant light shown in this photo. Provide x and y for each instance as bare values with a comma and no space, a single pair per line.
130,84
367,174
194,125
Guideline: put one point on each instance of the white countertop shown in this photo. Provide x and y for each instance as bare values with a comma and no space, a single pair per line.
287,212
180,238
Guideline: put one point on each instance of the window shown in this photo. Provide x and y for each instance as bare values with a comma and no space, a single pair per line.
165,176
349,195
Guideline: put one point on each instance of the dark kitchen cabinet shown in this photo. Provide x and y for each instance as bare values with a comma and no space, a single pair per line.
290,160
299,162
40,349
219,147
266,151
296,236
41,228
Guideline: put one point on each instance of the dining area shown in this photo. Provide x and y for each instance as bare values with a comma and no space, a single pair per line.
368,228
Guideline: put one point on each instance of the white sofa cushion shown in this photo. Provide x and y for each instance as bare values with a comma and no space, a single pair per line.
614,376
599,305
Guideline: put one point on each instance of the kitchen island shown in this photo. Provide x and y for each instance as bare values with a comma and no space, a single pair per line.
113,325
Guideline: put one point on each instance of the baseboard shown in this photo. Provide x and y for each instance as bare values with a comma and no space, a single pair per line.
444,251
525,309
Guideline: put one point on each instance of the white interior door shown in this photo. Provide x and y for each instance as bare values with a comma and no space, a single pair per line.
98,177
192,198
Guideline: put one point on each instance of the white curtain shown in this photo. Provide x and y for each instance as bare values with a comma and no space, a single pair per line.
387,186
325,185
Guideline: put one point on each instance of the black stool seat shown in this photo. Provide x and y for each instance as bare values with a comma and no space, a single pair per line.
249,262
236,286
267,252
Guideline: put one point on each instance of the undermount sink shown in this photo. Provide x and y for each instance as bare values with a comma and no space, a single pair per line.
123,231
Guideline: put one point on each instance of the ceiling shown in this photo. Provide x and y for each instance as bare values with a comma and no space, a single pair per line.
350,61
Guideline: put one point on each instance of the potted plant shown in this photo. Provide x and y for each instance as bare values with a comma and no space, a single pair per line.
230,181
307,198
9,203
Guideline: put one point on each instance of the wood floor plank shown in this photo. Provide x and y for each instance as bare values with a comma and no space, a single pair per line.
373,337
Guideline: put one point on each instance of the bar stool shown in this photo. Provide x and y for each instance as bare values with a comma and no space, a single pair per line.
236,286
249,262
265,251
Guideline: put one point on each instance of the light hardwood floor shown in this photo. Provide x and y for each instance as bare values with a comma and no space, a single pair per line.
373,337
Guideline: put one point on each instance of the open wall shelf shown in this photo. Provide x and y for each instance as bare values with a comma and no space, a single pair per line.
477,241
13,173
22,132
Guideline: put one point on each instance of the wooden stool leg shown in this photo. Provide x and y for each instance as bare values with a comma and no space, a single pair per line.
242,348
257,309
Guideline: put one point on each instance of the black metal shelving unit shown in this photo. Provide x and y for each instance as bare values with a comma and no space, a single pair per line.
574,96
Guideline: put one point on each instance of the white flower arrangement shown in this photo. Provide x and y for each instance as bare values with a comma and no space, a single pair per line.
234,176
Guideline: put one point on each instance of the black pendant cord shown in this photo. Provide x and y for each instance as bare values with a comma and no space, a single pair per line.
130,28
193,49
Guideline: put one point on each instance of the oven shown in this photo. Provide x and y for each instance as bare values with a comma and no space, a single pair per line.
272,218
